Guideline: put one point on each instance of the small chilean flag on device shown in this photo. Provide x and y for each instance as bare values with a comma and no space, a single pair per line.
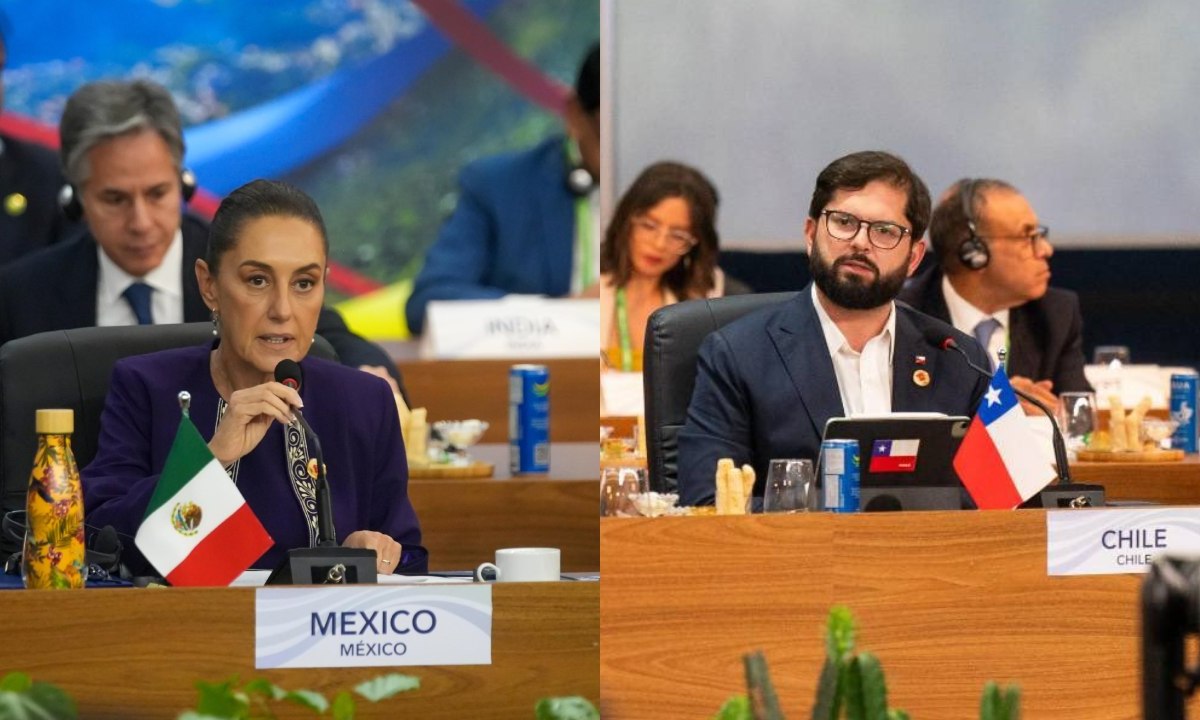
997,461
893,456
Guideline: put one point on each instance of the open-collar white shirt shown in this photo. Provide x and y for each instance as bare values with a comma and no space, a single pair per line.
166,303
864,379
964,316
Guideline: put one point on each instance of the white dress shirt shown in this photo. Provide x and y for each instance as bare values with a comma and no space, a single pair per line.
964,316
864,379
167,280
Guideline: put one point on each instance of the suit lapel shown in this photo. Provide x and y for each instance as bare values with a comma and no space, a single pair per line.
796,333
1023,348
77,302
558,224
915,367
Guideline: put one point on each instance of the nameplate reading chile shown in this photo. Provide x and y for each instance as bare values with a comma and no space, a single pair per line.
373,626
1117,541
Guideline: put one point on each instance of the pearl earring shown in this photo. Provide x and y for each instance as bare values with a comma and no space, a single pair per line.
216,322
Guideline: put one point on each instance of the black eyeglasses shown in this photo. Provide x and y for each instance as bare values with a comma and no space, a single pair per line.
844,226
1041,233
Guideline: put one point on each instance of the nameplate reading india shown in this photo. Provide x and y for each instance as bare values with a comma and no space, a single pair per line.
1117,541
514,327
373,625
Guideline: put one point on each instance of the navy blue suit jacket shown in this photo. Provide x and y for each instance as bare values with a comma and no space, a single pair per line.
765,386
31,171
513,231
1045,336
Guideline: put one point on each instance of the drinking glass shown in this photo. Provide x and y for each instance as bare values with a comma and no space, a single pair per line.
618,488
1077,420
790,487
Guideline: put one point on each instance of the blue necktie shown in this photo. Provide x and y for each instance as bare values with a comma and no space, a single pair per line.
138,297
983,333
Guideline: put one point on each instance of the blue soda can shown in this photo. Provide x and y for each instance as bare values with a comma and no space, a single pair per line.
529,419
1183,410
839,469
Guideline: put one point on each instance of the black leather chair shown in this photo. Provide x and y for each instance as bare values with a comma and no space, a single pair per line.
71,369
673,337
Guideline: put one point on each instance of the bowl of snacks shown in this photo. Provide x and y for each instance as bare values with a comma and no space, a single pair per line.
455,437
654,504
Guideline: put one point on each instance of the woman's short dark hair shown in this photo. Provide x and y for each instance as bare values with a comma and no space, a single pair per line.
857,170
254,200
692,277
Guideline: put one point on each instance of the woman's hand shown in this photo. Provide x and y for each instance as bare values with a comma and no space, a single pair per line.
249,416
385,547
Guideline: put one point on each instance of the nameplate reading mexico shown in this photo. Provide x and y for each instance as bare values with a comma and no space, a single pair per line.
373,626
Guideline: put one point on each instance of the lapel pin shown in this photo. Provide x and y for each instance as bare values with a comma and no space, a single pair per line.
920,378
919,359
15,204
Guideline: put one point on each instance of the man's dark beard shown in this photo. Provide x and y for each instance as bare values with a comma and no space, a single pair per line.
851,291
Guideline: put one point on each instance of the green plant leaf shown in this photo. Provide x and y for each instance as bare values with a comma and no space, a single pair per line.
827,706
897,715
735,708
35,701
308,698
15,682
853,691
763,702
264,687
874,687
343,706
385,686
839,633
222,700
573,707
1010,703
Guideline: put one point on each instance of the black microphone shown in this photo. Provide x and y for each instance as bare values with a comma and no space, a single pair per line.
946,342
289,373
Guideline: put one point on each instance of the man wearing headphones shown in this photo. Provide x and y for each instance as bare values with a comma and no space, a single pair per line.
122,153
525,223
992,281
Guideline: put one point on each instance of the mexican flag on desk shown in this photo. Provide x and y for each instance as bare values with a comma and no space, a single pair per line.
198,529
997,461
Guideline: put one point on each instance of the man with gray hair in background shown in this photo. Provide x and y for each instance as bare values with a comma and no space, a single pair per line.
122,147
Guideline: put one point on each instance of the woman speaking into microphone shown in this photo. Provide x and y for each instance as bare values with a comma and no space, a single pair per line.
264,280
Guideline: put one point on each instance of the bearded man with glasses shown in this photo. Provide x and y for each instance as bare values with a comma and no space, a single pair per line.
991,278
767,383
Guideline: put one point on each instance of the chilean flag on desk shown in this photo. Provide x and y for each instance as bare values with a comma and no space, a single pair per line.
998,462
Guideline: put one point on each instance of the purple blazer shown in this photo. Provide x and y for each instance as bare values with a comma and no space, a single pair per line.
353,413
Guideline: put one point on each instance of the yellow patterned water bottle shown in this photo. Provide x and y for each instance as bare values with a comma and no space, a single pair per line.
54,555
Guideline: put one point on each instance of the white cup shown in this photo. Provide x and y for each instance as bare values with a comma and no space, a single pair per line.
523,565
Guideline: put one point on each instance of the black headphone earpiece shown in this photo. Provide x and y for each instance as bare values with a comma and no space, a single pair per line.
68,199
973,252
579,179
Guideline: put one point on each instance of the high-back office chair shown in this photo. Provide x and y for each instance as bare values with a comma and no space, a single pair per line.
673,337
71,369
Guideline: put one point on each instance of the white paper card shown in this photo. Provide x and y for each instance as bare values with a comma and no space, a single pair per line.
371,625
1117,541
621,393
513,327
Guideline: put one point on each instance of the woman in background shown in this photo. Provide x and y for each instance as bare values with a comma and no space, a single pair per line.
659,249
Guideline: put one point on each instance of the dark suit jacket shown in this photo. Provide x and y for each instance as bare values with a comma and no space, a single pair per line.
1045,336
765,386
33,172
513,231
55,289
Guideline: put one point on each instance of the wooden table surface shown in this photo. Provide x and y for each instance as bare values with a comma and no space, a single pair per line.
464,389
135,653
464,521
945,600
1173,483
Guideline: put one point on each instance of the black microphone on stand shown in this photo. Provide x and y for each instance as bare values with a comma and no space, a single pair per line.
327,563
1066,493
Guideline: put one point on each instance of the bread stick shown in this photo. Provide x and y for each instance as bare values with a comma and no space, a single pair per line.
1116,423
724,465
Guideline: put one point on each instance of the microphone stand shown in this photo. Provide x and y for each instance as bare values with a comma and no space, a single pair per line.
1064,493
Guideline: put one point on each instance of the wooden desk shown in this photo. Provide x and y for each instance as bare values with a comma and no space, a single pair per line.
464,521
127,653
1174,483
462,389
947,601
